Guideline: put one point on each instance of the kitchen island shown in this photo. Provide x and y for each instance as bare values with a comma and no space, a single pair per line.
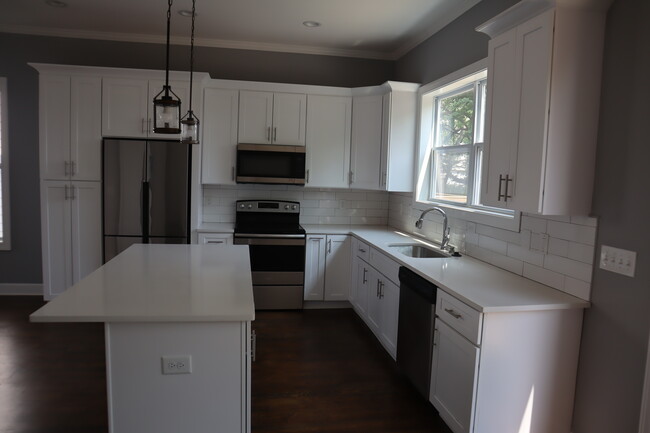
177,333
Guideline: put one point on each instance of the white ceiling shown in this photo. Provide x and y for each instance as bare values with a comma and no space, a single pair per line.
382,29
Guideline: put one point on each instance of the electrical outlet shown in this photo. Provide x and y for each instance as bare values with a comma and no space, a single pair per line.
176,364
539,242
617,260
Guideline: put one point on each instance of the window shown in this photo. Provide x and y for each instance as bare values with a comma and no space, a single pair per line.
4,169
452,126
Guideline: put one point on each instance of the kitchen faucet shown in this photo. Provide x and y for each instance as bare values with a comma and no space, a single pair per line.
444,243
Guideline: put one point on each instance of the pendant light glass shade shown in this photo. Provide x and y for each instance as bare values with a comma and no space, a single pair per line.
166,104
190,123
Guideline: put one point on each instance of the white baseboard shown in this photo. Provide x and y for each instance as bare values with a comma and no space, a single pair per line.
318,305
21,289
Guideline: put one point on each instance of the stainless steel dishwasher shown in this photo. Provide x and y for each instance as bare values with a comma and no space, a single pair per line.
417,304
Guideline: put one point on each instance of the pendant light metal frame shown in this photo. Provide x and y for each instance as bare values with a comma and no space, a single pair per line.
166,104
189,122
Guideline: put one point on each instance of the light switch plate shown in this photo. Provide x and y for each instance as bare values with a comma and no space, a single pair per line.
617,260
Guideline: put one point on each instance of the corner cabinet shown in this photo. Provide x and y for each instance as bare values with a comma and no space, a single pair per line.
327,268
272,118
383,137
542,108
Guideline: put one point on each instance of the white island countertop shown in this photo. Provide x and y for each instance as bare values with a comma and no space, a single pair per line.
161,283
478,284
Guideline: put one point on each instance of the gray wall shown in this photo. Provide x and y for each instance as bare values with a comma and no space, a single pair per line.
615,331
23,263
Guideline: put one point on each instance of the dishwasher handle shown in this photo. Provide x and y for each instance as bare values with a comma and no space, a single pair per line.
425,289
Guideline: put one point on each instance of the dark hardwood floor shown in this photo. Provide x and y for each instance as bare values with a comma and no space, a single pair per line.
316,371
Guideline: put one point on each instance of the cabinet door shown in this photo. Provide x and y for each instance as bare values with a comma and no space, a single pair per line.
365,158
56,237
501,118
219,126
389,294
125,105
86,225
217,239
54,131
374,302
362,289
453,377
329,123
315,268
337,268
86,128
255,117
533,51
182,90
289,118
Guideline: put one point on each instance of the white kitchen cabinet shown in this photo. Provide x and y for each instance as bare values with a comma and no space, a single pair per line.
365,158
383,137
217,239
272,118
389,297
220,118
453,388
329,123
127,106
70,127
360,287
71,233
542,108
327,268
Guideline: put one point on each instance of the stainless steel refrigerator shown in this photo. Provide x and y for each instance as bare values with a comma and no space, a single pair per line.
146,193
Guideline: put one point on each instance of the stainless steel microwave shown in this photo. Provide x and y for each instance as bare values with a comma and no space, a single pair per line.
266,163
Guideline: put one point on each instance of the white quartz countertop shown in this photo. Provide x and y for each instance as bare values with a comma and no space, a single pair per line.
478,284
161,283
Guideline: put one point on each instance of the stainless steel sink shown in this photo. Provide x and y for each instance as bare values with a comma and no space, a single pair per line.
419,251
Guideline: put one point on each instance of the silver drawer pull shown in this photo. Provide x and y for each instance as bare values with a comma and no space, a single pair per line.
453,313
362,250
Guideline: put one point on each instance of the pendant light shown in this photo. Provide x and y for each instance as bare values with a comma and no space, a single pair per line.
166,105
189,122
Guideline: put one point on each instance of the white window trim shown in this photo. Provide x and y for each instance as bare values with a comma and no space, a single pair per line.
480,216
5,244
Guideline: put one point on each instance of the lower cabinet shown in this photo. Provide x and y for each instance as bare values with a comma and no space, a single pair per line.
375,298
327,268
70,233
222,239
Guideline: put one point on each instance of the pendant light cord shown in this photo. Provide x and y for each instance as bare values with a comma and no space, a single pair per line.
169,17
192,54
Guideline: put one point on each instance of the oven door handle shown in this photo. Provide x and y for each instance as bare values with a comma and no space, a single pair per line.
269,241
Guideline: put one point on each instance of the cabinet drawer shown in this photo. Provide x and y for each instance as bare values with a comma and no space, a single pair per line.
388,267
215,239
362,250
461,317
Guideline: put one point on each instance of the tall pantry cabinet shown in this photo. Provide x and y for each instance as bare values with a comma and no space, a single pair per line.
70,170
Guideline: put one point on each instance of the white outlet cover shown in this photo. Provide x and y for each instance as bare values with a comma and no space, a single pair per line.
176,364
617,260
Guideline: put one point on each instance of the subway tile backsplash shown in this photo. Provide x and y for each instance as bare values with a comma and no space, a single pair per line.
566,264
318,206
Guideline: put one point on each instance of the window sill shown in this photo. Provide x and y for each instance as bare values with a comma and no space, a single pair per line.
480,216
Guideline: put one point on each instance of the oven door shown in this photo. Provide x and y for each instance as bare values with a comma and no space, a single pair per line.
278,270
271,164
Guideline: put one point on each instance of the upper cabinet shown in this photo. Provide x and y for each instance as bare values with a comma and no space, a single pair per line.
272,118
383,137
544,69
127,106
70,122
329,122
220,108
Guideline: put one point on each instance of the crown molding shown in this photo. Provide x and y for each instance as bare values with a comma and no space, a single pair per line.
203,42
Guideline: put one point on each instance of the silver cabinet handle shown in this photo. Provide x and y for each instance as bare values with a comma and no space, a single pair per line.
378,288
268,133
499,195
74,168
383,179
506,195
66,192
307,176
66,170
351,177
365,272
329,246
275,133
362,250
74,194
435,337
253,345
232,172
144,125
215,241
453,313
381,290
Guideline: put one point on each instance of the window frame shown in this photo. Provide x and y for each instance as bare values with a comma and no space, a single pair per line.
474,212
5,242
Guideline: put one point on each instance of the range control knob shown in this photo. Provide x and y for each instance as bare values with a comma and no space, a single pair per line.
242,205
286,207
294,207
250,206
